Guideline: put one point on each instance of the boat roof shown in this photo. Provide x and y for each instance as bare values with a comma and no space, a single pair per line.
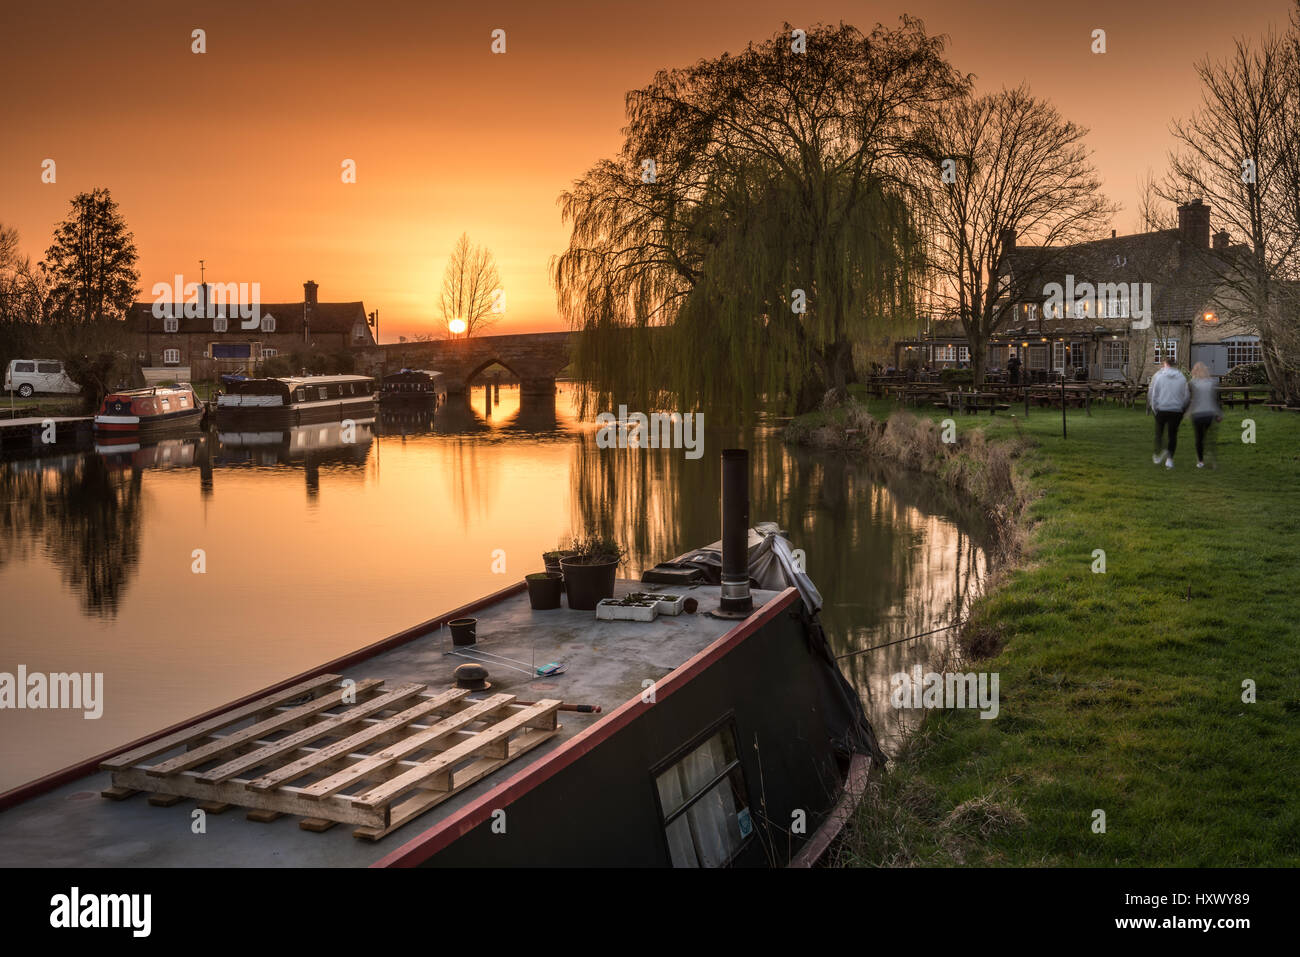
152,390
429,372
606,662
293,380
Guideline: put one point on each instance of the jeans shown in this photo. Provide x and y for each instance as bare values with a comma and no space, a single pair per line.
1173,420
1202,423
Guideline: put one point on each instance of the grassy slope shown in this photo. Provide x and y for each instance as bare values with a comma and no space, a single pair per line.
1117,691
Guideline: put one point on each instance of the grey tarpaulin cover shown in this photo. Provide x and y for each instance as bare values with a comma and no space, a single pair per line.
772,566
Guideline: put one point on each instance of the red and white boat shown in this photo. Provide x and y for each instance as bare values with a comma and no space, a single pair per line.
146,411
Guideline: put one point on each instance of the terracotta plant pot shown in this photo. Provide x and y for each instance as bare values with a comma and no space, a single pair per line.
544,590
587,584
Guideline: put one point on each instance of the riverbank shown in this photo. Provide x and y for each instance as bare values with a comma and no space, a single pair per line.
1121,691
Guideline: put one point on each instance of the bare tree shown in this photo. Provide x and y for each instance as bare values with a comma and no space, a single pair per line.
1003,167
1241,151
471,290
1154,212
23,287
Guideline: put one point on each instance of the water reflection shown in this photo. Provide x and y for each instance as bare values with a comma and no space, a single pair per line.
84,516
881,544
316,544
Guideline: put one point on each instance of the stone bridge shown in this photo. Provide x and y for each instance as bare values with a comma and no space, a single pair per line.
536,358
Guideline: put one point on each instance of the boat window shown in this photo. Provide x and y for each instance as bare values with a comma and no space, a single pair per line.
324,392
166,404
704,803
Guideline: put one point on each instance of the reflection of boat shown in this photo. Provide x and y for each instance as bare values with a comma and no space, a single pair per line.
290,443
169,453
414,386
294,399
144,411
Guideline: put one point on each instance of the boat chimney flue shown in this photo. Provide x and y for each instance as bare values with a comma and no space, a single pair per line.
736,599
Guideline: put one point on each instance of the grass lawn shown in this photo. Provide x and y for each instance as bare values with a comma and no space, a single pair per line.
1122,691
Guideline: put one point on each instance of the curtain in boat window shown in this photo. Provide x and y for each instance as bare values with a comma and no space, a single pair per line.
707,833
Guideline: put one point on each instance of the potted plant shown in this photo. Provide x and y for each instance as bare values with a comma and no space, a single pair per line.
589,570
552,559
544,590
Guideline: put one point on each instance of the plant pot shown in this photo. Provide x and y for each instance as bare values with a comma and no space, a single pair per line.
586,584
552,561
544,590
463,631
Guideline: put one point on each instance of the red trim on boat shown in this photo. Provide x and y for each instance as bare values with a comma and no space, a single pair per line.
855,785
424,846
58,778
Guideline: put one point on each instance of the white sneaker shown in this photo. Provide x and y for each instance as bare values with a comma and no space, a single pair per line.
1169,463
1156,459
1200,465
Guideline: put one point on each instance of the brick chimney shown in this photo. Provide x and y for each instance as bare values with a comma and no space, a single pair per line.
309,293
1194,224
1008,236
1221,239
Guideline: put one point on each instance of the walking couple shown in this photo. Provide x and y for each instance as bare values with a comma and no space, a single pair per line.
1169,397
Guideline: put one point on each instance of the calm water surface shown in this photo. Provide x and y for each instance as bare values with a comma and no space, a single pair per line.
314,547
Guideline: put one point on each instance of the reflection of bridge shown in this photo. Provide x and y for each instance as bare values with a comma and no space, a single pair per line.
536,358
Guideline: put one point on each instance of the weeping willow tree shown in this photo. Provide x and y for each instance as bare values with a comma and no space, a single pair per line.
755,223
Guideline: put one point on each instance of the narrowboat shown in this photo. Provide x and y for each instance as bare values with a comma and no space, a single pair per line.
501,735
413,386
295,399
151,410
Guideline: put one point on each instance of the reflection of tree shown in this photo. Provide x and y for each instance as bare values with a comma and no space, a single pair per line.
87,516
881,543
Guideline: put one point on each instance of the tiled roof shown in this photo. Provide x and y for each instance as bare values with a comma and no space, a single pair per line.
1183,279
326,317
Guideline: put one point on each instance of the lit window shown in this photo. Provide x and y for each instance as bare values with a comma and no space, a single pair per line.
704,804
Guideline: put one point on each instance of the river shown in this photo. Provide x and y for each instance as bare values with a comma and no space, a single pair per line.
198,569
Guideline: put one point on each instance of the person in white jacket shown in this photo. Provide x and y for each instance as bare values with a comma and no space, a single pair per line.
1167,397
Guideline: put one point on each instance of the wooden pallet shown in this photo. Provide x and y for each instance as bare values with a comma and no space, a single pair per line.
334,754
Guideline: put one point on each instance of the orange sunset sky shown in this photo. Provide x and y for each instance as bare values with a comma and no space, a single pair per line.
234,155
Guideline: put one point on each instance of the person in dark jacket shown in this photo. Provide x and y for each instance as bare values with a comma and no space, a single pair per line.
1013,369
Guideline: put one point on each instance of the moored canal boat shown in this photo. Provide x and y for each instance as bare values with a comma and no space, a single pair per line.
722,736
295,399
149,411
413,386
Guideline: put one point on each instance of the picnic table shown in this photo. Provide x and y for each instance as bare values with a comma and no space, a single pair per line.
975,401
1233,395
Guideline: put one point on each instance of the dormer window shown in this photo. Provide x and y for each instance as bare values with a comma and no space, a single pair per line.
219,324
268,323
171,324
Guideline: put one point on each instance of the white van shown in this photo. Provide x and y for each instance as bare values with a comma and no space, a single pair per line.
28,376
